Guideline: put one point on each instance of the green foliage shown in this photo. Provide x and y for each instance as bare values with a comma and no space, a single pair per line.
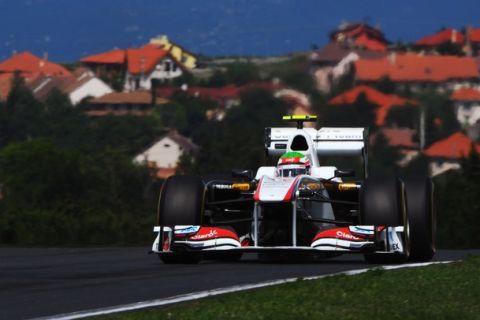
448,48
359,114
344,83
21,116
383,158
385,85
407,116
60,197
293,72
115,79
238,73
440,116
442,291
70,180
458,205
237,142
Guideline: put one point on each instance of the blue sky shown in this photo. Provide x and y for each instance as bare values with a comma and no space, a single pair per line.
69,29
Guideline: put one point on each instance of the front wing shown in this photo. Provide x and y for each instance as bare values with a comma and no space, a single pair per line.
352,239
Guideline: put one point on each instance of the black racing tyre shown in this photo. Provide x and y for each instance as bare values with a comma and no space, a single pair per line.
383,203
421,217
181,203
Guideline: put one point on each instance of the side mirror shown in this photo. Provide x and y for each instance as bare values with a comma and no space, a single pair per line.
344,173
246,174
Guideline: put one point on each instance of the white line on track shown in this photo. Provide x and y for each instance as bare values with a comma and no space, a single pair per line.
216,292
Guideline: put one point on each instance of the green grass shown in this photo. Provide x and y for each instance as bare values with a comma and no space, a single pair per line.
446,291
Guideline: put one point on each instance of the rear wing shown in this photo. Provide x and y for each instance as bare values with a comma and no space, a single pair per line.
326,141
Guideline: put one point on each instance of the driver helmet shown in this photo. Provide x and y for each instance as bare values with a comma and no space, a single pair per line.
292,164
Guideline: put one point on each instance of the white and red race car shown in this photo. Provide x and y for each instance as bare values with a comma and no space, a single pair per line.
298,206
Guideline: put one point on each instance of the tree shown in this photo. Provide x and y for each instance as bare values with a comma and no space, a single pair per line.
237,142
172,115
21,116
383,158
362,113
386,85
407,116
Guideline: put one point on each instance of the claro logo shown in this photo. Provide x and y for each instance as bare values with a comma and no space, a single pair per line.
212,234
344,235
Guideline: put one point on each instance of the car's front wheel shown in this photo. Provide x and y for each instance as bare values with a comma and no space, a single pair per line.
383,203
181,203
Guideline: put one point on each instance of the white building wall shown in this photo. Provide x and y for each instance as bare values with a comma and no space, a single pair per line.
165,154
160,72
468,113
93,88
437,167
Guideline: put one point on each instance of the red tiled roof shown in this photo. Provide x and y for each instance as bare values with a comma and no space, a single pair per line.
226,92
400,137
466,94
144,59
28,65
116,56
138,60
474,35
447,35
456,146
384,101
412,67
370,43
136,97
355,30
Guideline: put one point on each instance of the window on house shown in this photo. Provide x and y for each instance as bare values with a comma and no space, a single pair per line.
174,67
137,84
166,145
167,66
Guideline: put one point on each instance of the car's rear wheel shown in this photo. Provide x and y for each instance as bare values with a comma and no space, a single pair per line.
181,203
421,216
383,203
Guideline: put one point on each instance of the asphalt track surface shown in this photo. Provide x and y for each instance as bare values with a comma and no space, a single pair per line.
45,282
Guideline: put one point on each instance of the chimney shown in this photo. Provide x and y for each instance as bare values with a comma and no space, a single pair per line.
392,57
41,63
467,49
454,36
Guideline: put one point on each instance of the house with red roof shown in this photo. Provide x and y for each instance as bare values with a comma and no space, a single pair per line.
334,60
29,67
361,35
419,72
472,41
466,102
403,139
164,154
138,103
384,101
138,66
228,96
448,35
446,154
81,84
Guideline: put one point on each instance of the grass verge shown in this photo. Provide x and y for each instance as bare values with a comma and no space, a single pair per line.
446,291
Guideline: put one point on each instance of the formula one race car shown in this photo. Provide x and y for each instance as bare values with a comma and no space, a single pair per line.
298,206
